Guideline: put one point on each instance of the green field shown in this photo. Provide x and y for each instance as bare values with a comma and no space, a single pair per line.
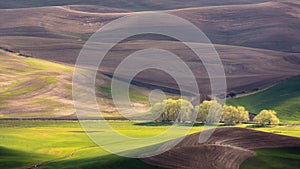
279,158
283,98
283,130
63,144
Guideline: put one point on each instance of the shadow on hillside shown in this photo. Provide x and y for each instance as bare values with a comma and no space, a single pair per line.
109,161
11,158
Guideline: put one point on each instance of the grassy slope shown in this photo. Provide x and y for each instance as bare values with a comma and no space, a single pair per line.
283,130
26,143
134,94
280,158
131,5
284,98
33,87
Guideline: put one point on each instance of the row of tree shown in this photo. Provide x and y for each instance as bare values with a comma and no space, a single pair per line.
208,112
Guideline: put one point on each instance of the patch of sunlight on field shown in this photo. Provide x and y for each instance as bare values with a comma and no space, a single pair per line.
60,138
37,79
136,95
283,130
46,65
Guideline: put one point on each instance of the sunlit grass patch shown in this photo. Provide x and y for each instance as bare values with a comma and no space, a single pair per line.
135,95
24,81
46,65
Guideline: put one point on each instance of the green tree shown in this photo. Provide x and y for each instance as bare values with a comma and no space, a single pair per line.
185,110
243,114
209,111
266,117
173,110
234,115
158,111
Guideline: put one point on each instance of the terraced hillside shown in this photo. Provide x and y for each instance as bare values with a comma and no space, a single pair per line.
283,98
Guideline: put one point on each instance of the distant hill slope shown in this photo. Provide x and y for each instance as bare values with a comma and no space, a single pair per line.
34,88
272,25
136,5
284,98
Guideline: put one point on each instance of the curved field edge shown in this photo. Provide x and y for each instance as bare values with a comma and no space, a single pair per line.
284,98
277,158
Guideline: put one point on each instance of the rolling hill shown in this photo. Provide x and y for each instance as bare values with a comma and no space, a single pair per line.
34,88
227,148
38,89
270,25
136,5
256,41
283,98
243,35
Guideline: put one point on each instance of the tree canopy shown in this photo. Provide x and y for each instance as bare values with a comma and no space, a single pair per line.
266,117
173,110
234,115
209,111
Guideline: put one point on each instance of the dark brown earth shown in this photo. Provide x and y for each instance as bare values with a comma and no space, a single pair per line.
227,148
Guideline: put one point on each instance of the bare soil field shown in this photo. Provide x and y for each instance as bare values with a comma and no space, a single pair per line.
227,148
269,25
136,5
247,69
258,42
